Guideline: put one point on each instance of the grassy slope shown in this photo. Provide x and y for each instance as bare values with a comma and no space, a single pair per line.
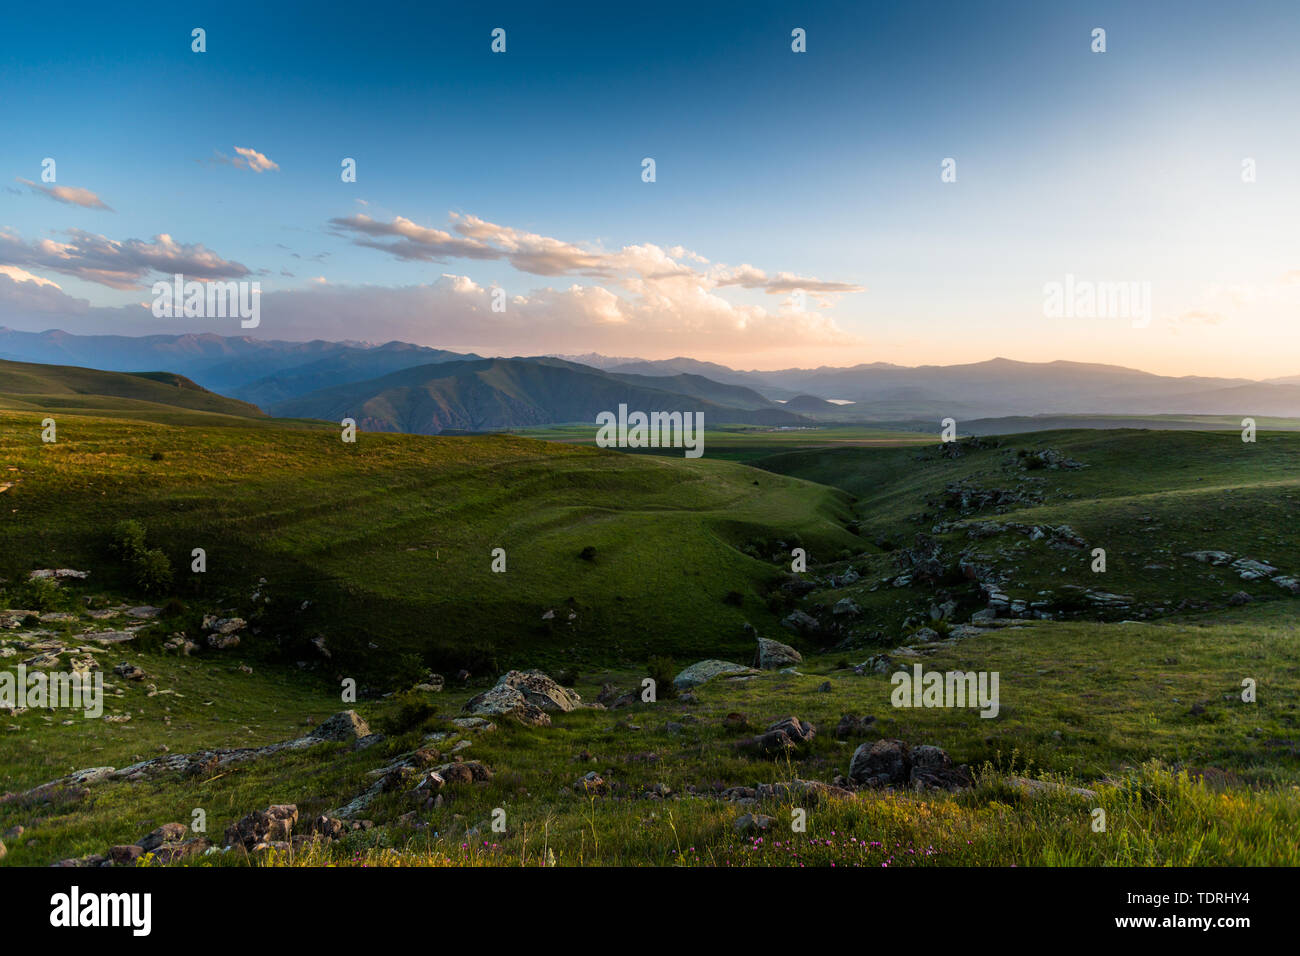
1079,701
305,511
1146,497
68,389
391,538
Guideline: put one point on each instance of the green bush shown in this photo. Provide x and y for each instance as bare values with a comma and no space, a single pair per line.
414,712
152,571
662,670
126,540
39,594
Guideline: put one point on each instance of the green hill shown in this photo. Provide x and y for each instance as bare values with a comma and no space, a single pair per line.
1026,512
69,389
391,538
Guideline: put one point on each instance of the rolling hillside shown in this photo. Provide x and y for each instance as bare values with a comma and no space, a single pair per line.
64,388
391,539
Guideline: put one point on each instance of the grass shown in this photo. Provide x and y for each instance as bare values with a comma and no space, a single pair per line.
1098,705
390,540
1146,498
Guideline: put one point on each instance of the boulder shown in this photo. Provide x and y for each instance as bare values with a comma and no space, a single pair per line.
846,606
772,655
784,735
1249,570
885,763
704,671
124,854
527,696
932,769
1209,557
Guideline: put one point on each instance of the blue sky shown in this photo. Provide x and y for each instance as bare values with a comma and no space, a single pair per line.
822,167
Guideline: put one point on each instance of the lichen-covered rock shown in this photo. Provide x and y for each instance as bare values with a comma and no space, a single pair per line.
527,696
773,655
704,671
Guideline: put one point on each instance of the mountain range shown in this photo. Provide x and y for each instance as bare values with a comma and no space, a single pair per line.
398,386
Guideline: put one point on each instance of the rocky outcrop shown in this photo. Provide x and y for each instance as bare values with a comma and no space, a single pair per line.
346,726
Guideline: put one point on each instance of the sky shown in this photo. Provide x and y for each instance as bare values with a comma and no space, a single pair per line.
798,216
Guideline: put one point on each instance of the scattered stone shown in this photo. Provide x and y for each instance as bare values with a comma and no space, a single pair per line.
753,822
129,671
851,726
167,833
272,825
1249,570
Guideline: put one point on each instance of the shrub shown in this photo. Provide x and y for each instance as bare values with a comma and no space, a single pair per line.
414,712
40,594
662,670
588,553
734,598
152,571
126,540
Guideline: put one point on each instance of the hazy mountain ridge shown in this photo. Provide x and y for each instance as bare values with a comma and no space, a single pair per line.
495,394
273,373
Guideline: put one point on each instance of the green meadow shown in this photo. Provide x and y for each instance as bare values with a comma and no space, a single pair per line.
383,550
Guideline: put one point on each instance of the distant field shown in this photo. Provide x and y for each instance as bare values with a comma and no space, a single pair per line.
746,443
